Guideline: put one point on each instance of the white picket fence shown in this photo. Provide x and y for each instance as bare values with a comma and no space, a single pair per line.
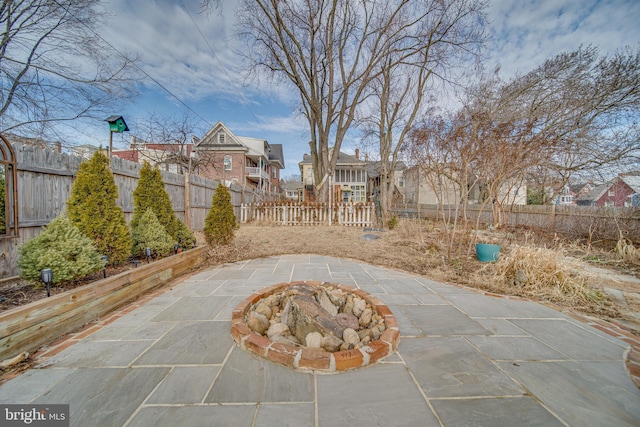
293,213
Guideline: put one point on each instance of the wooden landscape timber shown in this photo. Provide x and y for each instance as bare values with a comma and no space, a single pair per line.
28,327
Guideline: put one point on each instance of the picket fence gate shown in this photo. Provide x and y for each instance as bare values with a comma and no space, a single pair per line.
292,213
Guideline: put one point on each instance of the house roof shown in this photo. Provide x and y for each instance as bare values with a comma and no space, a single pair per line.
343,159
632,180
373,168
596,193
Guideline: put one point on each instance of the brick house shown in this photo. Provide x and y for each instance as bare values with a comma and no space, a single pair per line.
245,161
176,158
618,192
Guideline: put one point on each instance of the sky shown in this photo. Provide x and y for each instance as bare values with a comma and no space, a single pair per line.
193,61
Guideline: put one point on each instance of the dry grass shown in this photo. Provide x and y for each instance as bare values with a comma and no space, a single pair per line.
546,274
420,247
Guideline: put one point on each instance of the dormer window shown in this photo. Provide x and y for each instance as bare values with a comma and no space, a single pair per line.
221,137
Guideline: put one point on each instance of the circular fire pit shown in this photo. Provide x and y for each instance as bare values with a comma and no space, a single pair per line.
380,329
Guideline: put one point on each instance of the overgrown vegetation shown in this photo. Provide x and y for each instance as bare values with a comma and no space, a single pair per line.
149,233
92,208
61,247
539,272
220,223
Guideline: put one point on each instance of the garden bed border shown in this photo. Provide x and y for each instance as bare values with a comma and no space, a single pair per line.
28,327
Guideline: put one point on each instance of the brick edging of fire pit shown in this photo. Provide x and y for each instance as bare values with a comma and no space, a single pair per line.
312,358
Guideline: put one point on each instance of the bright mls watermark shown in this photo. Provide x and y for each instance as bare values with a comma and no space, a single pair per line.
35,415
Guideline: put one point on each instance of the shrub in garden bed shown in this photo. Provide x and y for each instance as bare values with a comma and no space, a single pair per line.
61,247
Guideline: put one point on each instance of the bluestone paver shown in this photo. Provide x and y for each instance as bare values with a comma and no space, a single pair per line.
463,359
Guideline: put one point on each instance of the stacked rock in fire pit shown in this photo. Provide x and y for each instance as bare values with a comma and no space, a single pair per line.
316,317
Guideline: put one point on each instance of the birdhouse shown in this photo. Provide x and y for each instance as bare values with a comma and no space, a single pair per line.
117,124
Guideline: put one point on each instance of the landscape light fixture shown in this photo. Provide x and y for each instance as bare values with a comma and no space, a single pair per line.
46,275
175,248
147,252
104,260
116,125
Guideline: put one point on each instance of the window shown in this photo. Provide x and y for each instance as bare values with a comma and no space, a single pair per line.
401,182
221,137
612,192
227,163
273,172
358,193
8,190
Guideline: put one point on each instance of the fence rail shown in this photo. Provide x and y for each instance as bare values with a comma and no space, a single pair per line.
589,222
290,213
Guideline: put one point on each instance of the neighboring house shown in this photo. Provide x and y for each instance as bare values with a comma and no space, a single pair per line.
569,193
170,157
349,179
373,184
292,190
618,192
445,189
430,190
85,151
250,162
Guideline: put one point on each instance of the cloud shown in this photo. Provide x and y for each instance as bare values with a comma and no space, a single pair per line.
192,54
528,33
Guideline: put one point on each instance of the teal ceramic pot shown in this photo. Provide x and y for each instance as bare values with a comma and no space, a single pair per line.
487,252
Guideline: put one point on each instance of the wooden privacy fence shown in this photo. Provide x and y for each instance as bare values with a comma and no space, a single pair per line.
600,223
293,213
45,178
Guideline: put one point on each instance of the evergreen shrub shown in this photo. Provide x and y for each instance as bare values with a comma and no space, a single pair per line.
92,208
186,238
149,233
61,247
151,194
220,223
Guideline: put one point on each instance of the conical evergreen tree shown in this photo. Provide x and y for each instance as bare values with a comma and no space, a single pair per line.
150,193
220,223
92,208
149,233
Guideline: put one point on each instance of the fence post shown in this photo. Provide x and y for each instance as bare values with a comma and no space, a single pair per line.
187,200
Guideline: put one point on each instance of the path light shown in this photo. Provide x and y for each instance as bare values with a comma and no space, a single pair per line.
148,253
175,248
104,260
46,275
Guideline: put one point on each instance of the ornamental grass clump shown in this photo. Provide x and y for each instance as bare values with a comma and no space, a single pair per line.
61,247
149,233
546,274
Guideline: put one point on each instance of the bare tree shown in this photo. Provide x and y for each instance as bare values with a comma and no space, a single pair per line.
53,65
165,140
447,34
580,110
329,50
575,112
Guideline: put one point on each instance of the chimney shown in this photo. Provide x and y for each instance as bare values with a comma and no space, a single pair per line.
58,146
357,154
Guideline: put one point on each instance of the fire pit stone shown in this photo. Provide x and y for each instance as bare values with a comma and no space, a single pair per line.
352,328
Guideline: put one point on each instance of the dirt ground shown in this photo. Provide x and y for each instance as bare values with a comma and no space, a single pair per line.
421,247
